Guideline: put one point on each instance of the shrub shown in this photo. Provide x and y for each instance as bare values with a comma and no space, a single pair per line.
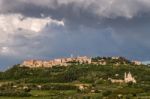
107,93
14,93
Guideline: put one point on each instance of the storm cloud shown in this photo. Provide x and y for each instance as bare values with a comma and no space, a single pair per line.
45,29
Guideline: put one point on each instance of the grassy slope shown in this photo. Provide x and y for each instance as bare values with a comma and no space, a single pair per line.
86,74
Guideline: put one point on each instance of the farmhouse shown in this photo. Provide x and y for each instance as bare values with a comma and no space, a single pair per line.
127,78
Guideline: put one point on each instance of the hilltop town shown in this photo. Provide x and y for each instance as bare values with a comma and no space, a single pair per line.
56,62
73,77
79,60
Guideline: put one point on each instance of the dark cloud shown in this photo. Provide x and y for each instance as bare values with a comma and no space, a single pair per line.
104,27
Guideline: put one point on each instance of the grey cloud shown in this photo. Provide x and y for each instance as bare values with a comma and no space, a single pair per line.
91,13
101,8
92,27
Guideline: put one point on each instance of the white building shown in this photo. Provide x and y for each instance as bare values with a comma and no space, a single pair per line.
128,78
137,62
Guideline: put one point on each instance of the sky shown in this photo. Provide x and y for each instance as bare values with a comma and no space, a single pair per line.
47,29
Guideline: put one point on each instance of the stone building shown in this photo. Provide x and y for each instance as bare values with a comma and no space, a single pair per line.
137,62
55,62
116,80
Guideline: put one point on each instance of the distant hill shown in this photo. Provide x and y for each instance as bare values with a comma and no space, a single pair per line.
81,80
106,66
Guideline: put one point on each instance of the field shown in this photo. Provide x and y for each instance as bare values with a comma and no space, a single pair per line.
78,81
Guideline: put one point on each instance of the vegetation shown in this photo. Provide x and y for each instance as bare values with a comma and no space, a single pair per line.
65,82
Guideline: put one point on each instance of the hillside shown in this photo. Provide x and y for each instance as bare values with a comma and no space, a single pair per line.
89,81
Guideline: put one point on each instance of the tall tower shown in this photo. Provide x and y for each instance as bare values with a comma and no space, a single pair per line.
125,76
129,75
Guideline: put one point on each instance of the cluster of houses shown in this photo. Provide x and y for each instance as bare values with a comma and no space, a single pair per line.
55,62
137,62
68,61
